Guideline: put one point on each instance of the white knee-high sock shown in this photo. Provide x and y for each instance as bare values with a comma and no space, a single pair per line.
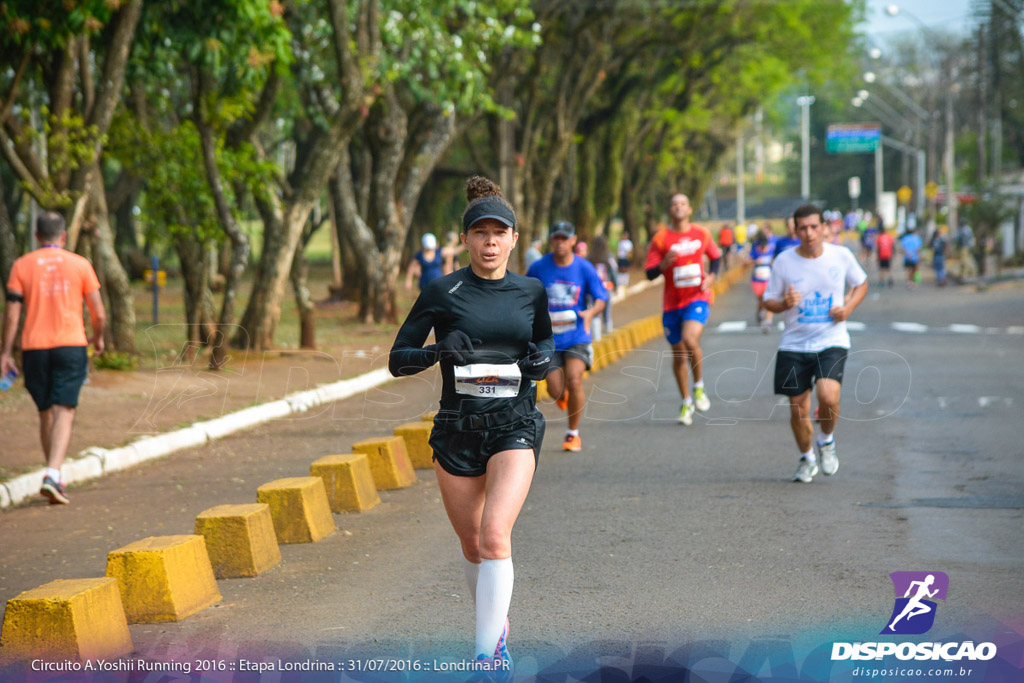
472,572
493,596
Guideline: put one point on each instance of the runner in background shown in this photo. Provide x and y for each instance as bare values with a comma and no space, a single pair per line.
788,240
678,253
569,280
624,255
608,270
884,244
911,244
762,253
725,242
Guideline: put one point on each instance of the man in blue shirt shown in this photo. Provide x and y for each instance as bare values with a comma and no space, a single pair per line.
911,244
569,280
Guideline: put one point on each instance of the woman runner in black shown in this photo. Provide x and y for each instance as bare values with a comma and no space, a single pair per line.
495,342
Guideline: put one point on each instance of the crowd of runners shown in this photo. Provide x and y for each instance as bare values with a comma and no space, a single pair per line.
497,334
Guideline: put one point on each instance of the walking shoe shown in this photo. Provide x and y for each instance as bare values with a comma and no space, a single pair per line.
572,443
700,399
686,414
57,493
563,403
828,457
806,471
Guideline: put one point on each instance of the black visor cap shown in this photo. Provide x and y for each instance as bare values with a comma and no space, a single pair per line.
489,208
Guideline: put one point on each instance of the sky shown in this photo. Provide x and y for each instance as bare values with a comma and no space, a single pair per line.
935,14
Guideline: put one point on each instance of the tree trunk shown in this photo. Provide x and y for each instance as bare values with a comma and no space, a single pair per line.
8,245
303,300
193,256
121,310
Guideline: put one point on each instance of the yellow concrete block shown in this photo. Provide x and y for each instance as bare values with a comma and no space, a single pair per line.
75,619
599,359
348,481
240,539
299,508
429,416
163,578
542,391
417,443
389,462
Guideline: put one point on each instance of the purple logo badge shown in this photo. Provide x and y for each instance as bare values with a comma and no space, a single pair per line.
916,592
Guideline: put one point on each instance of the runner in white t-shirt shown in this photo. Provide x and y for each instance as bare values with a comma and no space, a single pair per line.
808,287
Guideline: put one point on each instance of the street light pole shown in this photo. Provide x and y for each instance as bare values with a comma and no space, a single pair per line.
805,103
741,203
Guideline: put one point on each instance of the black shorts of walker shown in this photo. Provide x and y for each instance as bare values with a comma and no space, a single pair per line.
465,453
54,377
585,352
796,371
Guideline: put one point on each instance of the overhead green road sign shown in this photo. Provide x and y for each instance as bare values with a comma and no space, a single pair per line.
852,138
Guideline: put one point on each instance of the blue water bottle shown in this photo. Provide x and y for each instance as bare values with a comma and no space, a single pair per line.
8,380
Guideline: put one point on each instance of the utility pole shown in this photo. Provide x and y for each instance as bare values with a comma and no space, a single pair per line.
805,103
879,185
951,217
741,199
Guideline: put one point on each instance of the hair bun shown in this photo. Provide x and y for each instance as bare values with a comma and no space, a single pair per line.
478,186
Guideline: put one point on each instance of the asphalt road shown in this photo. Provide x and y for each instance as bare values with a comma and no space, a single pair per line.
657,540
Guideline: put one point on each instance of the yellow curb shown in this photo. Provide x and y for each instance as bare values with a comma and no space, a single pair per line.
348,481
389,462
163,578
417,443
74,619
299,508
240,539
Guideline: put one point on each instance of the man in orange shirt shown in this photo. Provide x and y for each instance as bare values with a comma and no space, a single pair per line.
51,284
678,253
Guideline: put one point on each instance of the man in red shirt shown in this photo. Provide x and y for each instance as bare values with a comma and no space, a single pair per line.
725,240
884,245
678,253
51,284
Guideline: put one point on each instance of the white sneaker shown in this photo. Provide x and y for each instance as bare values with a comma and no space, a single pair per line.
828,457
686,414
806,471
701,400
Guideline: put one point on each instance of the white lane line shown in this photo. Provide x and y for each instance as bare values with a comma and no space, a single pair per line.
733,326
855,326
1015,329
964,329
909,327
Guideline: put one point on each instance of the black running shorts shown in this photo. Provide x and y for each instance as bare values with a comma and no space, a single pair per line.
55,376
585,352
796,372
465,453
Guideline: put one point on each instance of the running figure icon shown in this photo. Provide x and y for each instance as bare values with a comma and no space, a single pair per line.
914,606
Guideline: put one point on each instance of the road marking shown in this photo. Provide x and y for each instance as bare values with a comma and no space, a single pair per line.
733,326
964,329
855,326
909,327
1015,330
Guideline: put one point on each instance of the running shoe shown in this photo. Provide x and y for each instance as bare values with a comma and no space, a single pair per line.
501,655
806,471
828,457
57,493
700,399
563,403
572,443
686,414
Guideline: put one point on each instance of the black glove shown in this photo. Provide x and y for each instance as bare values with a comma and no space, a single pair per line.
535,364
455,346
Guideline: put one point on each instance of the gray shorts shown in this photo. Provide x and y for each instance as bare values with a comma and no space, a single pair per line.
585,352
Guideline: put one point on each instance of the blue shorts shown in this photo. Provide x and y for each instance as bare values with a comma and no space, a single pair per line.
673,321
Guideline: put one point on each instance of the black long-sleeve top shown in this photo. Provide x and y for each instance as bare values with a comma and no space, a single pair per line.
505,315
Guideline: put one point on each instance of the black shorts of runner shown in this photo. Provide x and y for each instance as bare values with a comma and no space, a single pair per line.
54,376
796,372
585,352
907,263
465,453
884,263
